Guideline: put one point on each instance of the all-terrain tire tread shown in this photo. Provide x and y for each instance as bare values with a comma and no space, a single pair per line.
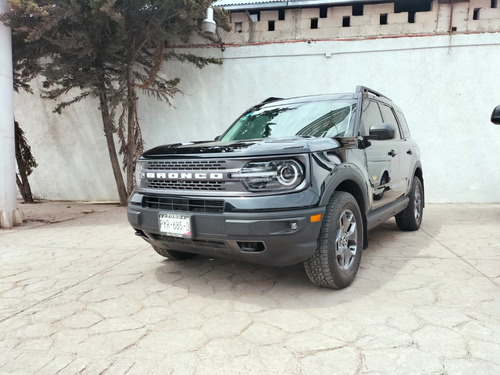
318,267
405,220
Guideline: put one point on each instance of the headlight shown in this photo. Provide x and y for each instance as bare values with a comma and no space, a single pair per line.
139,172
271,175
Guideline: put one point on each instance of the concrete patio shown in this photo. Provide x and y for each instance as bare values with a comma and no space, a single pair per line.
79,293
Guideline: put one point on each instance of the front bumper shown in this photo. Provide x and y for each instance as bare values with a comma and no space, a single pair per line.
278,238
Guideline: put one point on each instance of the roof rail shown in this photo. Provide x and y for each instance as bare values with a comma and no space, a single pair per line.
264,102
270,99
364,89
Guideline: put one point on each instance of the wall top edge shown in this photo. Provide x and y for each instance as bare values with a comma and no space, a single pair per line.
263,4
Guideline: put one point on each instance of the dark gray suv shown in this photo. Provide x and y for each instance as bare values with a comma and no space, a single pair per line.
495,115
291,180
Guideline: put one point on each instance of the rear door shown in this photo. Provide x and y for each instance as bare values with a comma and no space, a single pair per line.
409,151
397,152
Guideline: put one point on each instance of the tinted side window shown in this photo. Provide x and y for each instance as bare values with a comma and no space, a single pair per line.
389,118
404,125
370,116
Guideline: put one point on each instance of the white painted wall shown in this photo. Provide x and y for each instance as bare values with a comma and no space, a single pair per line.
447,87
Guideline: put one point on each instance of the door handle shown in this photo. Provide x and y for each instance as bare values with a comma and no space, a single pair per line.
391,153
409,152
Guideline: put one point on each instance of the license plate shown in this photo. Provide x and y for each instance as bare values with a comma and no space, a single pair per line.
175,225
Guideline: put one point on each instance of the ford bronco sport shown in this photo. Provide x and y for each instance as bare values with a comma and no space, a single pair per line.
291,180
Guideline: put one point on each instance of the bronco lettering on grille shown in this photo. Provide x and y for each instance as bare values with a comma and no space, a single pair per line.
184,175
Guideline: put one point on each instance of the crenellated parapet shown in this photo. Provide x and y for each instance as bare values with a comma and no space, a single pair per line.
360,22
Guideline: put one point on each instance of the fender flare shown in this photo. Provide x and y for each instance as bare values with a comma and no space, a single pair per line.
419,171
355,180
349,178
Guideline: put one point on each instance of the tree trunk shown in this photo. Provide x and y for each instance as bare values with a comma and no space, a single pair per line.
115,164
24,165
24,187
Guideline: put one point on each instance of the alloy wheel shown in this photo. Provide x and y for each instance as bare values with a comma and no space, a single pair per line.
346,240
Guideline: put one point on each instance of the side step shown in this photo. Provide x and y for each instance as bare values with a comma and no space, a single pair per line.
384,213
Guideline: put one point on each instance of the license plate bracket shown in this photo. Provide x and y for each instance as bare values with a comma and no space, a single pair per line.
175,224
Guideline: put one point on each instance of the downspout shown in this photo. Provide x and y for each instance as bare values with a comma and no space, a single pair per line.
450,28
251,27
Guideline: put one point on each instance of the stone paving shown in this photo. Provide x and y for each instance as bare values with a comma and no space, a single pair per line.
80,294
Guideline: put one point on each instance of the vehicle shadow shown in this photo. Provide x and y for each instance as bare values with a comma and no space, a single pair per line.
289,287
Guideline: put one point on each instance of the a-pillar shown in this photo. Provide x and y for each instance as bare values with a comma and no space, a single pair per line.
9,215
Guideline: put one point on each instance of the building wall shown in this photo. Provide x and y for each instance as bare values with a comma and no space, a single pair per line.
447,85
377,20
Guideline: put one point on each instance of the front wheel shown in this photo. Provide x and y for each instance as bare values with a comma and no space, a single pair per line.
411,218
173,254
337,257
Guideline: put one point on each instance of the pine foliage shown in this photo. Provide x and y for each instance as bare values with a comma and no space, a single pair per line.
110,50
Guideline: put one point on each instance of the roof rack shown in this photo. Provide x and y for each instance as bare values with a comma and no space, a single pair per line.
364,89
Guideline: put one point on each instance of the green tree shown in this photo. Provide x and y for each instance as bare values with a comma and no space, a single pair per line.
25,68
109,49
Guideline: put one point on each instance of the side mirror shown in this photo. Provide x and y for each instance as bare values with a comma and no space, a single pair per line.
218,138
495,115
382,132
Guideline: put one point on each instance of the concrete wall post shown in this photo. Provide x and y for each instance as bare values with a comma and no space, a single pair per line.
9,215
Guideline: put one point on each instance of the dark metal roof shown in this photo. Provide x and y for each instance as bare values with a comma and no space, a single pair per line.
263,4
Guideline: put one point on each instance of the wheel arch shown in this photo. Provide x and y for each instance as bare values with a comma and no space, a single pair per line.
386,173
350,180
418,172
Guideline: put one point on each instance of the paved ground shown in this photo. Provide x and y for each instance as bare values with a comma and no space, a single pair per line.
79,293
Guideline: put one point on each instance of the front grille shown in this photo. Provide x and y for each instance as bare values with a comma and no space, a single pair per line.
187,165
186,185
198,177
187,205
189,242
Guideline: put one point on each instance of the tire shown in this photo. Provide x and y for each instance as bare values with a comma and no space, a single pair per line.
173,254
411,218
337,257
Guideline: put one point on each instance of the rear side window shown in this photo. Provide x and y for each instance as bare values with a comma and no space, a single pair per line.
404,124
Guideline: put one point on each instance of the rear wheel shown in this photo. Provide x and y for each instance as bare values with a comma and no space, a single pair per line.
411,218
336,261
173,254
383,181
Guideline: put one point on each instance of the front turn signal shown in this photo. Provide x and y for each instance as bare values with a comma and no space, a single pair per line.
316,218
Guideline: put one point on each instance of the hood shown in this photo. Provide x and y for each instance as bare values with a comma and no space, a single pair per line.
267,146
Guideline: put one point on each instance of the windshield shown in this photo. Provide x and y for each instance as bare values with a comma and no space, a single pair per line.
315,119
